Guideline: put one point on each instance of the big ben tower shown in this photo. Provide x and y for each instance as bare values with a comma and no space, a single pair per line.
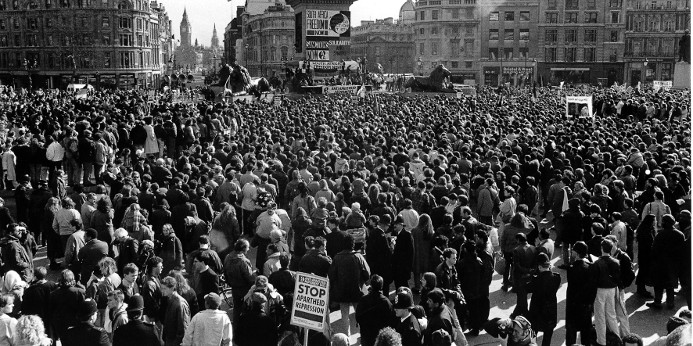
185,31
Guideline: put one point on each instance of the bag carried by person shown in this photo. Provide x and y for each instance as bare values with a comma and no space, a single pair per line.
500,264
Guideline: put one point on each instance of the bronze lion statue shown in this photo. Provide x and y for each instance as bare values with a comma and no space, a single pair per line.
435,82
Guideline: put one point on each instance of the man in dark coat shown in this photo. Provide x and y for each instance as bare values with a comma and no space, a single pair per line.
315,261
336,239
239,275
348,273
373,312
579,297
64,303
571,228
5,217
84,332
91,253
36,299
403,255
378,251
524,259
38,199
208,279
544,306
14,255
667,256
136,331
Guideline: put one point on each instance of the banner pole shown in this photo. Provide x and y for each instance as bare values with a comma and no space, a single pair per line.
305,336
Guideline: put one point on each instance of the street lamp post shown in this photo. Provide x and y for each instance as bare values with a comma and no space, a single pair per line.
246,55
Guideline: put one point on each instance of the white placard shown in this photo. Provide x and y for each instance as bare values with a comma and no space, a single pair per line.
311,301
659,84
578,106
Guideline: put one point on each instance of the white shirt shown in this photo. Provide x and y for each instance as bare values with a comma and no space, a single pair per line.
55,152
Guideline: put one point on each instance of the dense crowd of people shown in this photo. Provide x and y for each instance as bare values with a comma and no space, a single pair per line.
149,209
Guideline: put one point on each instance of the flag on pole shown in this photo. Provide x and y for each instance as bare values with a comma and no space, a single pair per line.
361,92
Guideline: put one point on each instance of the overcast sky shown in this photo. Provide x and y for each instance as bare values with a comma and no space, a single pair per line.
203,14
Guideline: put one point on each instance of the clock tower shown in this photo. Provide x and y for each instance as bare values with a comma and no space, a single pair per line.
185,30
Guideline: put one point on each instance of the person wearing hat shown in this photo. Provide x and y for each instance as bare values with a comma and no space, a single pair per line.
403,254
524,263
406,324
579,296
544,305
373,311
379,253
84,332
136,331
210,327
256,327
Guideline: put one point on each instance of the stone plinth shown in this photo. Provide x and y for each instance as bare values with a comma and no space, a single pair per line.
682,75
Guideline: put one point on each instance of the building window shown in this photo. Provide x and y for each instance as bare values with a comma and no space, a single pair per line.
468,64
493,53
125,23
493,35
507,53
571,17
571,4
105,22
15,23
468,30
590,35
493,16
421,48
422,31
524,52
455,64
524,16
666,71
49,22
524,34
106,40
455,13
613,36
570,54
589,54
454,46
3,41
3,24
434,48
469,13
509,15
125,40
17,40
551,36
434,15
571,36
591,17
615,17
64,3
422,15
32,23
552,17
49,3
615,3
470,2
509,35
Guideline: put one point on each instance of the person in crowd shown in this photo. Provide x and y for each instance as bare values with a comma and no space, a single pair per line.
645,235
30,331
91,253
378,251
73,245
129,285
668,251
8,325
256,327
524,263
580,296
116,312
605,273
403,254
348,273
136,331
177,313
544,305
210,326
239,275
171,250
85,332
14,255
36,299
373,311
62,222
151,290
208,278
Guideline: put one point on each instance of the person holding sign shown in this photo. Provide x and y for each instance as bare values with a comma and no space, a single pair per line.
348,274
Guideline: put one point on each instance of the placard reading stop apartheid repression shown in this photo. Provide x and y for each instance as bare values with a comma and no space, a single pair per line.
311,297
